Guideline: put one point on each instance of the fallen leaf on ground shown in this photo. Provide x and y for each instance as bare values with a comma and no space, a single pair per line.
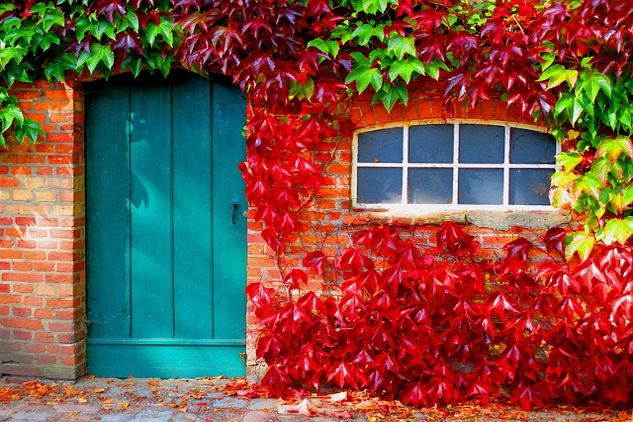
340,415
305,408
342,396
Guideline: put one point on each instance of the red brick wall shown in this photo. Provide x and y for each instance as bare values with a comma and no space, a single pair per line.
42,227
330,221
42,264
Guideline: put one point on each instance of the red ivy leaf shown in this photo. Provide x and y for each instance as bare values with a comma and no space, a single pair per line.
296,278
555,239
315,261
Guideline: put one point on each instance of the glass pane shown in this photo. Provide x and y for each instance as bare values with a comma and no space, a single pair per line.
480,186
479,144
430,186
379,185
431,144
380,146
530,186
530,147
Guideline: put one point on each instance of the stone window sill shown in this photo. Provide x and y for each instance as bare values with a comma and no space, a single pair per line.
496,220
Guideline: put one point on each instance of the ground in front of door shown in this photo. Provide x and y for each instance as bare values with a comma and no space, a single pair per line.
226,399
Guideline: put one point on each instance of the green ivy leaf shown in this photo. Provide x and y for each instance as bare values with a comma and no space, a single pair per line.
603,81
100,53
129,21
433,69
381,55
557,74
9,114
40,8
580,243
164,28
364,76
30,130
390,95
18,72
6,55
405,68
57,68
101,27
52,17
302,91
364,33
628,196
590,184
617,231
613,147
82,25
328,47
563,103
135,64
401,46
600,168
568,160
576,111
564,179
373,6
44,40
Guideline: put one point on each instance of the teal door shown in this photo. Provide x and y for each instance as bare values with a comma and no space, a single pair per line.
166,235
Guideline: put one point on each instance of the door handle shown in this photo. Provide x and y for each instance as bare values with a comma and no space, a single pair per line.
235,204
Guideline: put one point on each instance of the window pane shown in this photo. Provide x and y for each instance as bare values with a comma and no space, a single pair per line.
380,146
481,186
530,186
480,144
379,185
530,147
431,144
430,186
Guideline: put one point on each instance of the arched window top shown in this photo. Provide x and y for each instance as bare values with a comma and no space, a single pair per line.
453,165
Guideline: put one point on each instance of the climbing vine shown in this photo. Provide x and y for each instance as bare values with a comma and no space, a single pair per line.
565,63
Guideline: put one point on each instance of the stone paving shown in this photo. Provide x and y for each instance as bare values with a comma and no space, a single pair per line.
181,400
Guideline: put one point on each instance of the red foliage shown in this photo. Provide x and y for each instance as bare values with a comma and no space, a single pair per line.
457,328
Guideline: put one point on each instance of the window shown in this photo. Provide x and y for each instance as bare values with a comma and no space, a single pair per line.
454,166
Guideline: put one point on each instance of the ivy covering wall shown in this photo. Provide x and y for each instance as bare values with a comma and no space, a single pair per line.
565,63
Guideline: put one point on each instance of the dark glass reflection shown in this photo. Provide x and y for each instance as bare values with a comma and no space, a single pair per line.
431,144
479,144
379,185
380,146
530,147
480,186
530,186
430,186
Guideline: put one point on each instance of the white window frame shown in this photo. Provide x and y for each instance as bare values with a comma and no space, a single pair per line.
506,166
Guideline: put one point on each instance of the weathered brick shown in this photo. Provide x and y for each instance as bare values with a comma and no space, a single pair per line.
25,323
9,182
21,312
22,195
24,277
5,299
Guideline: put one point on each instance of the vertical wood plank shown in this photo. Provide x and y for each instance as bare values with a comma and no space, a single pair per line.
151,187
229,240
193,210
107,221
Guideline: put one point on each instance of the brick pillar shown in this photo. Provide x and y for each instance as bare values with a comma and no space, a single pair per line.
42,226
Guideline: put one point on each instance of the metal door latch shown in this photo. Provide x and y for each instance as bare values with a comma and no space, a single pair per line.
235,204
